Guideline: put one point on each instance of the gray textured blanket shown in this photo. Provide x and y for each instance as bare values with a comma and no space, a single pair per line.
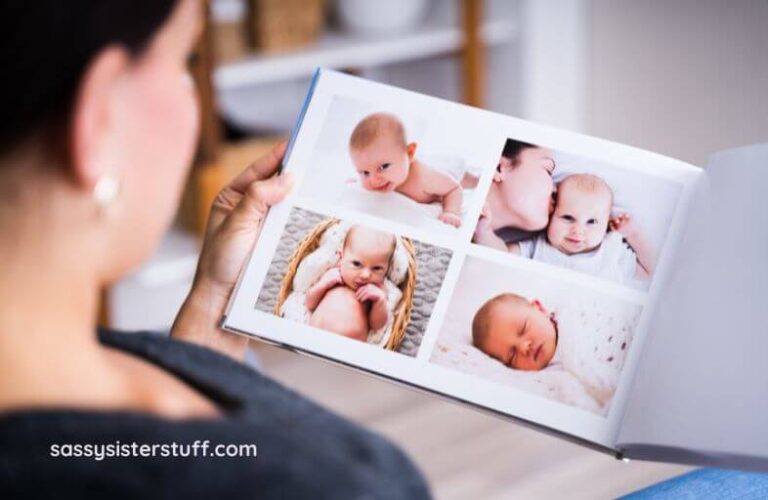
432,263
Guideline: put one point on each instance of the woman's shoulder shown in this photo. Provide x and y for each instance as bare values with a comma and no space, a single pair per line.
121,455
510,234
300,448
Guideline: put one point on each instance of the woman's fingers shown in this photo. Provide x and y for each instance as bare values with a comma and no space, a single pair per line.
233,228
256,200
264,167
229,197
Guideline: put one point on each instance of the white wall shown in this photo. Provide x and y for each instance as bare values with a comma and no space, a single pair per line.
683,78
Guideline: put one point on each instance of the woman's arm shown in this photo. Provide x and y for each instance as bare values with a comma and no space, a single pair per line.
233,228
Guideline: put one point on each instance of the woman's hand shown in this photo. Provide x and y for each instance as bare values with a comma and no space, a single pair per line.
484,233
233,228
483,229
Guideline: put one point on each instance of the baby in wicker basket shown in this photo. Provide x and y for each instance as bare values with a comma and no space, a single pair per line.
350,298
520,333
386,162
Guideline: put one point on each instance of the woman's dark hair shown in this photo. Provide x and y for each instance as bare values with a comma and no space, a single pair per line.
46,45
512,148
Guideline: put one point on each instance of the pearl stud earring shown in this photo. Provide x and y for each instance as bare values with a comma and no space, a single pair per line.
106,190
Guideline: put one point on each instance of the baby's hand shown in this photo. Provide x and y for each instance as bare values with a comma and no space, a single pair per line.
450,218
331,277
624,224
370,292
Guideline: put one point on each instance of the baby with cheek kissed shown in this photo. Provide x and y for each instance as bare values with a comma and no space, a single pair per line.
386,162
350,299
582,235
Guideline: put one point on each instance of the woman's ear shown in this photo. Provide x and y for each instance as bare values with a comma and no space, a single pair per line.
497,177
410,150
93,116
504,165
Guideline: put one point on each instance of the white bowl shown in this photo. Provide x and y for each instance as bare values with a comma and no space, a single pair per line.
380,17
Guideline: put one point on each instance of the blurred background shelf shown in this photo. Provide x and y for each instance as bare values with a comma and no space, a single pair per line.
253,66
438,48
338,50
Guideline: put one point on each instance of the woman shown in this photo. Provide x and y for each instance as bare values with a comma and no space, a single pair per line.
99,127
520,198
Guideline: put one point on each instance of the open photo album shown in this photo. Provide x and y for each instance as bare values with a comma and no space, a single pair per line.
603,293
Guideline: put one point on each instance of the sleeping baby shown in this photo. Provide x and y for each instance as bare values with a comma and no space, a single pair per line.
386,162
581,234
520,333
350,298
591,336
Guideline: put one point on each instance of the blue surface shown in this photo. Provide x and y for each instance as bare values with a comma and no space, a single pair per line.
708,483
300,119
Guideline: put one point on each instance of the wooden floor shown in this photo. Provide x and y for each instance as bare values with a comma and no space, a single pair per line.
464,453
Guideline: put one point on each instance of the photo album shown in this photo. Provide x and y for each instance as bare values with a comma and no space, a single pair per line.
596,291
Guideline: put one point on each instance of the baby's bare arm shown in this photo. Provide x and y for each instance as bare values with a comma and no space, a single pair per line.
645,253
444,187
317,291
452,201
314,295
376,295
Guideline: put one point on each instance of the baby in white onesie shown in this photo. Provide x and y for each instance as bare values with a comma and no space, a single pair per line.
581,235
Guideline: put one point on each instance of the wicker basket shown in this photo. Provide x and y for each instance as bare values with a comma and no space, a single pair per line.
403,309
279,25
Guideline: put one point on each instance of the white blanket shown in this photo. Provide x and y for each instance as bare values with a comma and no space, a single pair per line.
594,338
341,188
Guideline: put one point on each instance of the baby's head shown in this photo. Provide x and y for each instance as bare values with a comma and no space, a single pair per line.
518,332
365,256
579,222
380,152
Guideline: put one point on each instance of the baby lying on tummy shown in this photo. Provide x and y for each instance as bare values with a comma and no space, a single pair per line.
581,234
520,333
386,162
350,299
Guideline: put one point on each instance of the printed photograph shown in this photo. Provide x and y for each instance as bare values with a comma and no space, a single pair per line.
359,282
393,165
577,213
534,333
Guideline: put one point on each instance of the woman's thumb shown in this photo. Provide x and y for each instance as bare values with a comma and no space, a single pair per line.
257,198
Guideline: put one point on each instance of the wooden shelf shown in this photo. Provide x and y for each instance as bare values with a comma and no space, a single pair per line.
342,51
